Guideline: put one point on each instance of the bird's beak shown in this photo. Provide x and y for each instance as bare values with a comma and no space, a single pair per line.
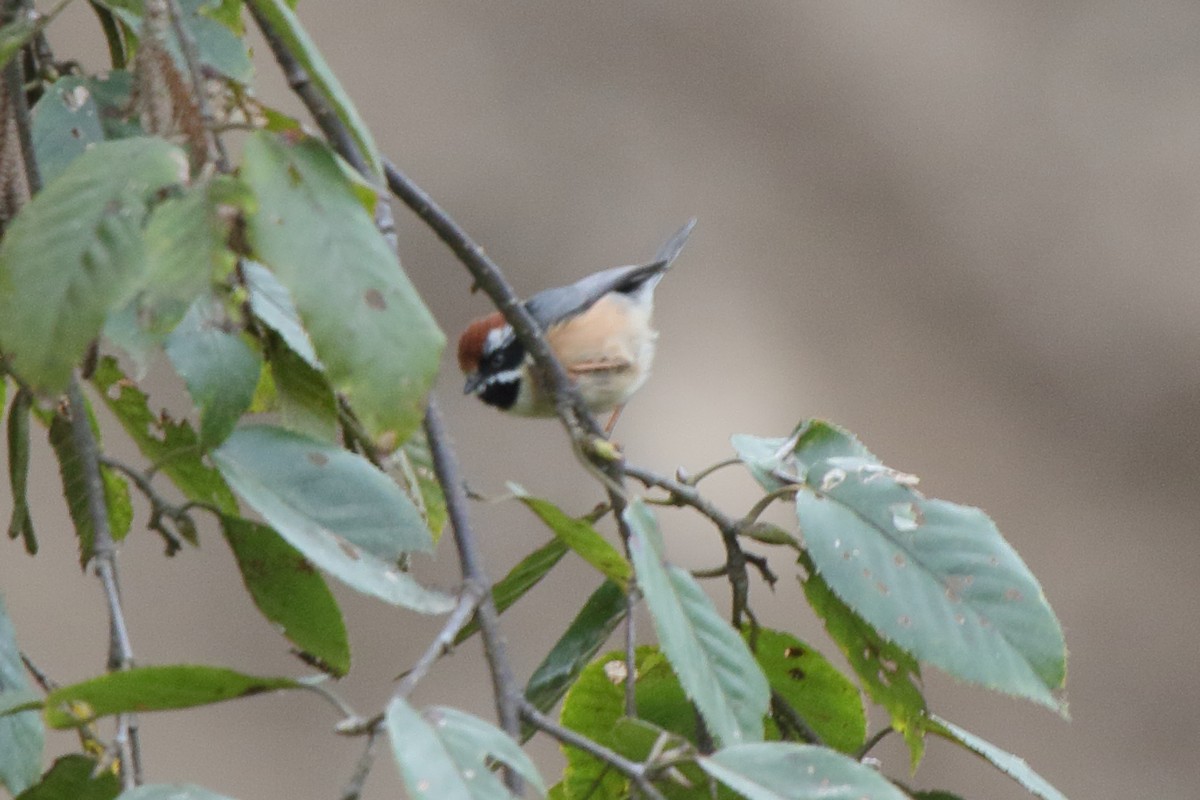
474,383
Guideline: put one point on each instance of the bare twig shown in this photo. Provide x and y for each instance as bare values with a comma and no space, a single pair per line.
354,787
638,773
160,509
875,739
191,57
120,651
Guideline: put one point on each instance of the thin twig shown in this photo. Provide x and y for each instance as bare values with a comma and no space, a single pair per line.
875,739
191,57
468,603
504,682
691,480
785,712
159,507
354,787
638,773
120,651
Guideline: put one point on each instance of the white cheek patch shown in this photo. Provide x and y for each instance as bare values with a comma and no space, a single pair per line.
508,376
496,337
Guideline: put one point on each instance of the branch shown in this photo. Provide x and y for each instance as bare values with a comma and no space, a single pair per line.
638,773
120,651
159,507
875,739
191,57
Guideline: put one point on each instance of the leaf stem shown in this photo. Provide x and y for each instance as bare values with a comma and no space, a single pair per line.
875,739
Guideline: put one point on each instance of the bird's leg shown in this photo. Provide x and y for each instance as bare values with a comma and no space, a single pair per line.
612,421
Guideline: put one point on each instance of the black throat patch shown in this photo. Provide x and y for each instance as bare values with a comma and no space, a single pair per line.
500,371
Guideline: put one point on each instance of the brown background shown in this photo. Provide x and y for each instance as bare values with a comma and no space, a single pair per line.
965,230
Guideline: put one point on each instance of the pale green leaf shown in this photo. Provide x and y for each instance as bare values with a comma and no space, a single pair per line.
72,254
22,736
334,507
1013,766
473,744
272,303
65,122
427,768
712,661
785,771
378,342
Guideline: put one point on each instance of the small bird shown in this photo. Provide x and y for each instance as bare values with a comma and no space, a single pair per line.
598,327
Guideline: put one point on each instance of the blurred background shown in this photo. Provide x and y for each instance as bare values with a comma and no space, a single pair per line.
964,230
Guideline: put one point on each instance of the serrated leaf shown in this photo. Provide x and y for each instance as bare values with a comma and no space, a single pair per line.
17,430
528,572
712,661
219,368
886,551
22,736
65,122
581,537
825,698
428,766
117,501
170,445
786,771
160,688
173,791
286,25
334,507
74,777
889,674
290,593
73,253
1013,766
378,342
578,645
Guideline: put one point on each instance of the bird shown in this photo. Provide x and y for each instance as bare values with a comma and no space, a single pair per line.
598,327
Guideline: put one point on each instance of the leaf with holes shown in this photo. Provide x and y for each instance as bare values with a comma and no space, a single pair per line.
22,736
290,593
887,551
823,697
74,252
65,122
712,661
333,506
785,771
378,342
1010,765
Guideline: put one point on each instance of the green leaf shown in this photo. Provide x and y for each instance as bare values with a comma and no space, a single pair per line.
218,44
712,661
887,551
420,480
595,707
272,303
581,537
334,507
286,25
187,251
304,399
113,92
74,777
153,689
437,763
73,253
824,697
1010,765
173,791
171,446
889,674
935,794
578,645
219,368
473,744
785,771
290,593
528,572
22,736
74,481
21,523
65,122
378,342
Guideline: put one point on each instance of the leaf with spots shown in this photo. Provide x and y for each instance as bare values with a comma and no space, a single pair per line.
823,697
890,675
290,593
335,507
933,577
785,771
378,342
447,754
153,689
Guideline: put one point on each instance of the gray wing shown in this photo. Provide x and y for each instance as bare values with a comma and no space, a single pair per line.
554,305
